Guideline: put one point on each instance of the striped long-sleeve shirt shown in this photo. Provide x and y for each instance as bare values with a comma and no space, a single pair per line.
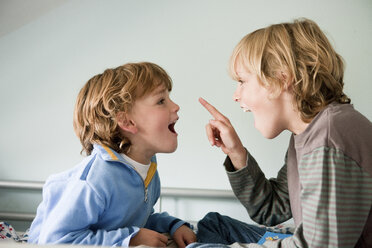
325,183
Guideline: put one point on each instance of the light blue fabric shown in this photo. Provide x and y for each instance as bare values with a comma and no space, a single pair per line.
101,201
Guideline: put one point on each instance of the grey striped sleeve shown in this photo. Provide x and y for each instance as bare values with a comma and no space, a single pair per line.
336,198
266,200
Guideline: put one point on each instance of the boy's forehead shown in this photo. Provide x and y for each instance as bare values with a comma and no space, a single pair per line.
159,89
242,69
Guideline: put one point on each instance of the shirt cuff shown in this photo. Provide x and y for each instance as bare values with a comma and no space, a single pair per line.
177,224
230,167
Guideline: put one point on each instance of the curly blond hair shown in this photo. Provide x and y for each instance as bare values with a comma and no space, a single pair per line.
107,94
302,52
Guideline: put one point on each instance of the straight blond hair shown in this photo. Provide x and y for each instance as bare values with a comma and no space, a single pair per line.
301,52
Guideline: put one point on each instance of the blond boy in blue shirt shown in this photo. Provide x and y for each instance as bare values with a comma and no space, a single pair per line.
123,117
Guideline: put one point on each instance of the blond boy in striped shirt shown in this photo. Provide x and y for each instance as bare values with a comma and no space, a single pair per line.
290,78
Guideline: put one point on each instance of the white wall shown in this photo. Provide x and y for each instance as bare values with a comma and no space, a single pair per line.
44,63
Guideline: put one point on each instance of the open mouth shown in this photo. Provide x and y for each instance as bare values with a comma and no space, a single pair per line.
171,127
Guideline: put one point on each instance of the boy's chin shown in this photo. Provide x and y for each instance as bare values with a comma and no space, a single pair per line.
174,149
170,149
269,135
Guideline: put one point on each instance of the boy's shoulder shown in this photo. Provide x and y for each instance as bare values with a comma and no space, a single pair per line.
343,120
107,166
99,168
338,117
341,127
344,112
110,155
104,166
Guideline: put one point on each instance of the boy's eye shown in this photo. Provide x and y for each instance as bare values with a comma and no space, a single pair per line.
161,101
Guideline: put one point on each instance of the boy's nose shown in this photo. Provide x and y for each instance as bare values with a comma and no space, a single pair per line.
236,95
176,107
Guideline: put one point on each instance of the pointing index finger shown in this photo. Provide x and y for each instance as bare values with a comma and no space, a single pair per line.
211,109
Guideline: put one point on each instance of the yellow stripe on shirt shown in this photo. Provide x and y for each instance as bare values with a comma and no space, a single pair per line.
150,173
108,150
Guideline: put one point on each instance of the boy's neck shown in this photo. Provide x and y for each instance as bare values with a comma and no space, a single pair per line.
296,124
139,156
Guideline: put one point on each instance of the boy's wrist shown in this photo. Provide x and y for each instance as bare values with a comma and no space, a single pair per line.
239,158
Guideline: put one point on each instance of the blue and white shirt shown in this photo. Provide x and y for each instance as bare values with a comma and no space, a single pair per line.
101,201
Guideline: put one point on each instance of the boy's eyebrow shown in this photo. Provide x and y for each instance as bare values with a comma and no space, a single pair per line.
160,91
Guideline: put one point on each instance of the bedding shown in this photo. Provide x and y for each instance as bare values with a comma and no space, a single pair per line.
9,234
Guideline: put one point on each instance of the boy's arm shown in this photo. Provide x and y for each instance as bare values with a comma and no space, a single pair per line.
266,200
180,230
72,219
336,198
164,223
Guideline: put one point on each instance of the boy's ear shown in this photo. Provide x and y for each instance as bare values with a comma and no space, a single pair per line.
125,123
286,79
